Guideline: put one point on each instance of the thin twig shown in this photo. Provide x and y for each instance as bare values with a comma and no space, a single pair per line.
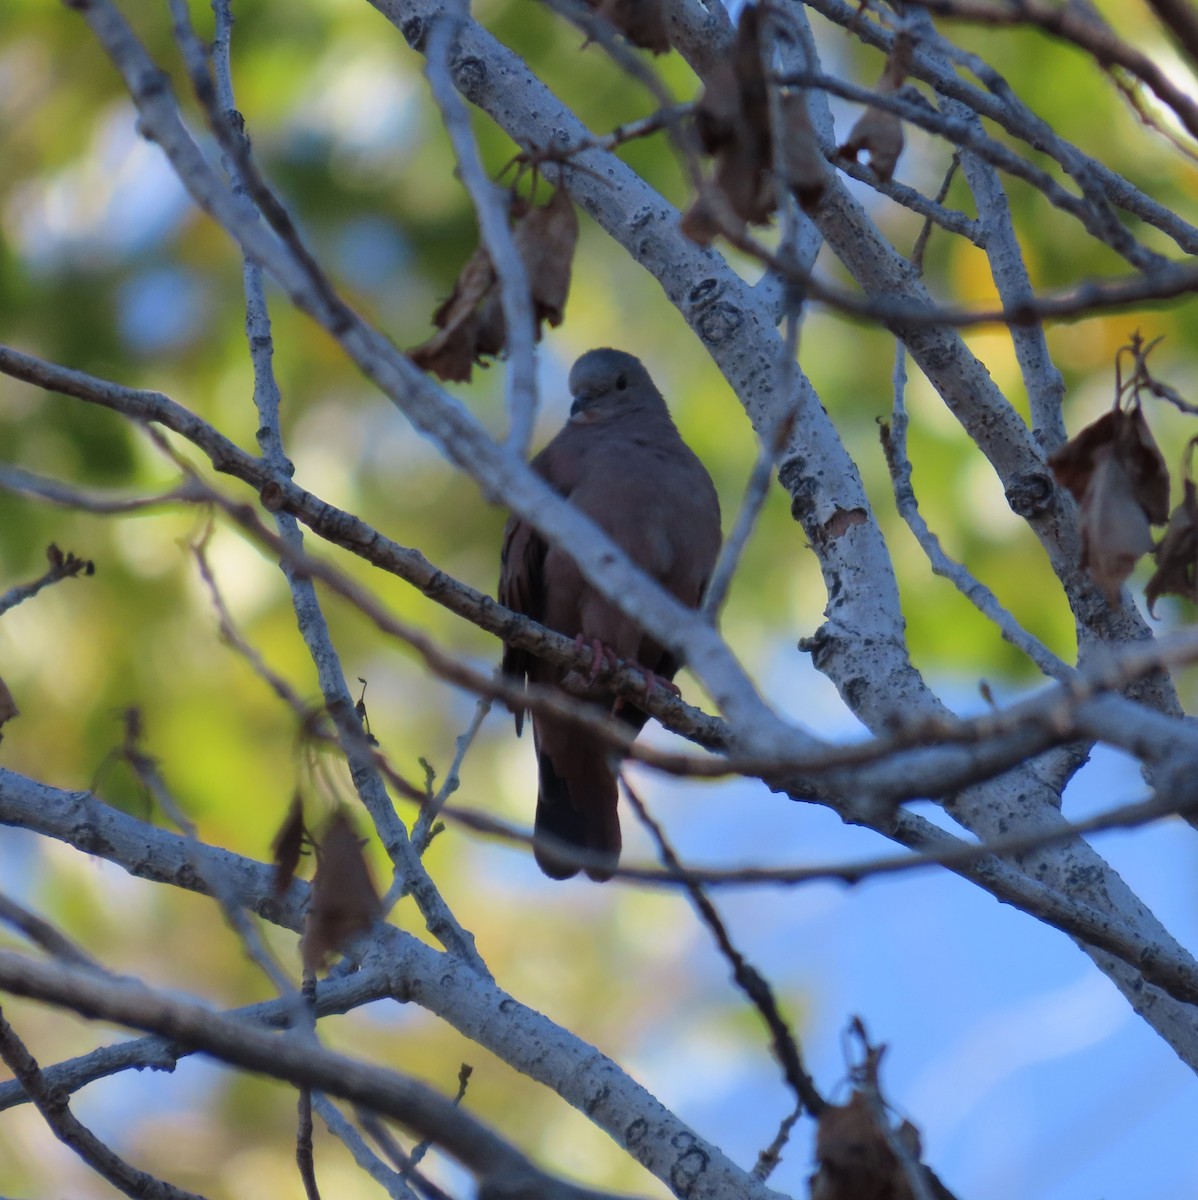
464,1073
62,566
771,1156
305,1159
997,101
750,981
925,232
341,1127
1083,29
621,135
865,1079
953,853
969,135
894,443
312,624
773,441
73,1133
422,830
232,637
400,1159
494,1161
146,769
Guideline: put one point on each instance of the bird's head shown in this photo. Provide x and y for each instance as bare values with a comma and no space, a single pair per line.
608,383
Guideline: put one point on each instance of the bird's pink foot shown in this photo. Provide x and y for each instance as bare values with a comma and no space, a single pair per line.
602,657
651,680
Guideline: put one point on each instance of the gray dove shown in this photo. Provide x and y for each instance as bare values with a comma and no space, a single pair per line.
620,460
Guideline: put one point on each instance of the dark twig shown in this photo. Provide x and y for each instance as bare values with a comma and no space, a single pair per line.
630,131
305,1158
925,231
1092,34
1181,20
894,445
62,566
771,1156
431,808
953,853
747,977
464,1073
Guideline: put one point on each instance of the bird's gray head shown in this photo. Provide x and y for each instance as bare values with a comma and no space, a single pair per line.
605,383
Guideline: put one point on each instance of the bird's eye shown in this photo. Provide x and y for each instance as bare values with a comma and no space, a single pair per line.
621,383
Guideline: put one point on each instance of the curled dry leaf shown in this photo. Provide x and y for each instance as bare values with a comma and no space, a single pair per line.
1073,463
288,845
465,336
701,222
1116,472
344,901
733,120
546,238
855,1160
733,123
880,134
471,320
1132,441
1145,465
803,169
1176,571
642,22
878,131
1115,530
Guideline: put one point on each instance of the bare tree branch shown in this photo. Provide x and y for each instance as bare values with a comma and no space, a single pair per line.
500,1169
70,1130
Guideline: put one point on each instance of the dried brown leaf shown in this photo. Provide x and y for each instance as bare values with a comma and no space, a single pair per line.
452,353
1176,571
898,64
471,319
344,901
288,845
1145,465
747,182
642,22
1128,437
733,123
1114,526
701,222
855,1161
803,168
879,132
1073,463
547,237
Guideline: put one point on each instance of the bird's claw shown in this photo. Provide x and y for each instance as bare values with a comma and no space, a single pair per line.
603,658
649,680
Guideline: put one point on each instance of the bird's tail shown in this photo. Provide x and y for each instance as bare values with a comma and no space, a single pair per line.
577,812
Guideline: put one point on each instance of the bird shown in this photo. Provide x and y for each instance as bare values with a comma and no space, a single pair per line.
620,460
